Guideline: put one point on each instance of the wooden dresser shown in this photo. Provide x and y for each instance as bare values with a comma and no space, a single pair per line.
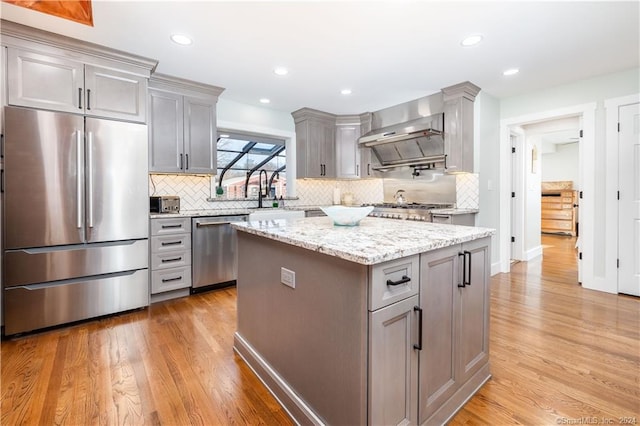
559,208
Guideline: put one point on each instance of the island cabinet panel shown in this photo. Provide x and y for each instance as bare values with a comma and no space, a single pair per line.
312,337
393,364
454,294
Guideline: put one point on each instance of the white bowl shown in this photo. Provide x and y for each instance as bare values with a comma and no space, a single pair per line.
346,216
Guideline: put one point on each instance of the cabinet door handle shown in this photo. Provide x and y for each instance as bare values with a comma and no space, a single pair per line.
173,259
467,269
357,170
368,169
88,99
166,280
79,97
419,345
171,243
464,270
404,279
186,156
171,226
180,161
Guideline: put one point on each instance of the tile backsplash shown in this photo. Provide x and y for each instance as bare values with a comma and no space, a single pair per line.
467,191
195,190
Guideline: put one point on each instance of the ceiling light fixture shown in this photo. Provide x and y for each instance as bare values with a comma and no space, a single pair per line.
223,136
511,71
265,101
471,40
346,91
281,71
181,39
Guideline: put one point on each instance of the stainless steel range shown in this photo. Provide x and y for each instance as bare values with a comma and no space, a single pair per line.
410,211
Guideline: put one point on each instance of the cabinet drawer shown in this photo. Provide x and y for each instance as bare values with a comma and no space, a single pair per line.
563,225
393,281
557,214
170,259
174,225
165,243
170,279
567,199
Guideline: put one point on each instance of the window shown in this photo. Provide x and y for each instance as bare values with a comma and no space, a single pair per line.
242,155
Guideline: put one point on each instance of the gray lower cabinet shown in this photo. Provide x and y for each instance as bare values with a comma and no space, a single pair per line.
467,219
182,126
170,262
393,363
424,378
454,296
45,81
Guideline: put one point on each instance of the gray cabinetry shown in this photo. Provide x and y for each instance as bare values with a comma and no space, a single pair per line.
170,254
315,143
458,115
393,363
347,151
443,294
182,126
46,81
455,326
467,219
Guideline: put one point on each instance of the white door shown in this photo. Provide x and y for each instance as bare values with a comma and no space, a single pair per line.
629,205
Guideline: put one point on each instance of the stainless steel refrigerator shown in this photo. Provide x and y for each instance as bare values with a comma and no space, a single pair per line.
75,218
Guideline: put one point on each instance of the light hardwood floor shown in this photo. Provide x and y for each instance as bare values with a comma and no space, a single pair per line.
560,354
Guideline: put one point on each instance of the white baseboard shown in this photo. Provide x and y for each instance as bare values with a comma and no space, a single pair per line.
532,253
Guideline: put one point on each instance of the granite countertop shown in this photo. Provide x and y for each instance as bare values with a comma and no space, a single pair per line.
195,213
374,241
454,211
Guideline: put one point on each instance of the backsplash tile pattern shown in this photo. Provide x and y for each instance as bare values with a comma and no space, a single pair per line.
195,190
192,190
467,191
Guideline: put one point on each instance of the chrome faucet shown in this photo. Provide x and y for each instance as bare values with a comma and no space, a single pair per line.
261,194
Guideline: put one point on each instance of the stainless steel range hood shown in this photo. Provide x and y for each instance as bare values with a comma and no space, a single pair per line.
415,143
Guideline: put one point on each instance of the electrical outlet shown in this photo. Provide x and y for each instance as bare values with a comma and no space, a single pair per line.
288,277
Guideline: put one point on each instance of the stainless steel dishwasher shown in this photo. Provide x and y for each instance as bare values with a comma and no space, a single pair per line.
213,262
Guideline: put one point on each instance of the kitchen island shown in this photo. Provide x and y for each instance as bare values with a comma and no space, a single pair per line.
382,323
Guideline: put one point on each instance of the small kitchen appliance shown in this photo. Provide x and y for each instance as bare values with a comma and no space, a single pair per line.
164,204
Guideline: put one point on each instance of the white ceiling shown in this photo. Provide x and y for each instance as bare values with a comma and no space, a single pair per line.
386,52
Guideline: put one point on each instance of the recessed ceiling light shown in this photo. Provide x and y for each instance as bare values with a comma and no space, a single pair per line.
281,71
181,39
265,101
471,40
224,136
511,71
346,91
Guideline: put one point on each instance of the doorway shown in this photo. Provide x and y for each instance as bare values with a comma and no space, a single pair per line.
527,168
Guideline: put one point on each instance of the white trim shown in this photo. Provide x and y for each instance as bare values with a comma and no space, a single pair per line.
612,106
496,268
587,181
533,253
518,207
289,141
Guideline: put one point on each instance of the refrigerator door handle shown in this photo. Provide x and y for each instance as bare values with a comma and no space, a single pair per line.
90,177
79,161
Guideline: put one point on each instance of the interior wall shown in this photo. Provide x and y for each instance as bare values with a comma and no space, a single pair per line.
561,165
585,91
486,163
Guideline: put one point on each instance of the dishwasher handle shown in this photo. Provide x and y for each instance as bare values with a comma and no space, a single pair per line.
201,224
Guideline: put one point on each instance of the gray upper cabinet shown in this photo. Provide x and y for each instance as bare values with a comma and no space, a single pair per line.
347,152
182,126
48,82
53,72
315,143
458,126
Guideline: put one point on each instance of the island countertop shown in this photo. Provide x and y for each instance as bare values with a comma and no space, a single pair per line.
373,241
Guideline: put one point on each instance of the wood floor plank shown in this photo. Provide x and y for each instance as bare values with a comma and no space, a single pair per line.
558,351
